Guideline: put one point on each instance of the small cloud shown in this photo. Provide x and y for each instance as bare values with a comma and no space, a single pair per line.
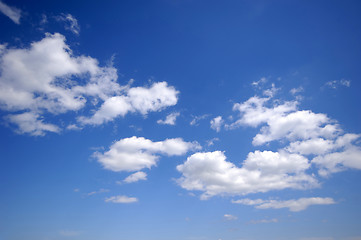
97,192
229,217
336,83
71,23
76,190
135,177
73,127
196,119
294,91
271,92
259,82
216,123
274,220
170,119
211,142
121,199
11,12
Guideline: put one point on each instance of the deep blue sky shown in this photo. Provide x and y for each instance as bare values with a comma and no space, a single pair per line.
201,61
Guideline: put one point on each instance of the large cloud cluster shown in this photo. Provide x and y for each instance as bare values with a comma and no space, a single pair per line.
308,139
47,78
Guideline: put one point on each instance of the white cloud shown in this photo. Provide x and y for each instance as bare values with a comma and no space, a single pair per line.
71,23
31,123
102,190
170,119
254,112
273,220
12,12
294,205
211,142
47,78
136,153
121,199
296,125
210,173
230,217
136,99
259,82
196,119
338,161
216,123
296,90
336,83
135,177
271,92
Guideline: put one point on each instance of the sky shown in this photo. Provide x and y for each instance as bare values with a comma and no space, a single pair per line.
180,120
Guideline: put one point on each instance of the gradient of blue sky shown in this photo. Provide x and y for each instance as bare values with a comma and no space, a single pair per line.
202,60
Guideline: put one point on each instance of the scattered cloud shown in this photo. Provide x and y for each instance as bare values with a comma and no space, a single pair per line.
305,138
121,199
196,119
294,205
271,91
137,99
170,119
102,190
229,217
216,123
71,23
259,82
135,177
136,153
273,220
211,142
11,12
261,172
295,91
31,123
337,83
47,78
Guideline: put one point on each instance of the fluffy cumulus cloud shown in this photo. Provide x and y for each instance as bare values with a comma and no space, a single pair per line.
306,140
170,119
47,78
210,173
216,123
11,12
294,205
136,153
136,99
121,199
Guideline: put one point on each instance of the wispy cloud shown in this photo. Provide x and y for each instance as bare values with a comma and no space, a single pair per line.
273,220
121,199
71,23
294,205
230,217
337,83
12,12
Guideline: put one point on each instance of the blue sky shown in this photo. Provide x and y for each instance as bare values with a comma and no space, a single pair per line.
180,120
